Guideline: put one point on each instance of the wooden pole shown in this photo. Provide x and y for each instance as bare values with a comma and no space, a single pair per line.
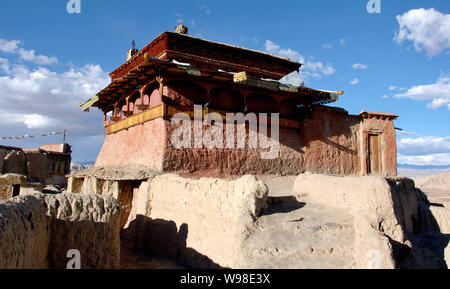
64,136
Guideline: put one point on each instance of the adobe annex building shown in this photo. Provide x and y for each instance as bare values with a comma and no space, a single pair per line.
33,168
177,71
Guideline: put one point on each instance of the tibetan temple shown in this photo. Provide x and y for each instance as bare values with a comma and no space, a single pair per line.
177,71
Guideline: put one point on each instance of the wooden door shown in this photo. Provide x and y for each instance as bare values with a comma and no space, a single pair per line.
374,160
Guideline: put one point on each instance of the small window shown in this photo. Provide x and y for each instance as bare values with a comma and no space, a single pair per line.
16,190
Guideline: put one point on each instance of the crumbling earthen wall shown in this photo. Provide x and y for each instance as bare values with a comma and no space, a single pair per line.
200,223
37,165
7,182
208,218
14,162
120,190
34,164
37,231
387,216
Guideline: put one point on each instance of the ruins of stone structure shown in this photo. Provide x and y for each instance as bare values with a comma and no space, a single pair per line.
20,168
319,221
37,231
177,71
11,185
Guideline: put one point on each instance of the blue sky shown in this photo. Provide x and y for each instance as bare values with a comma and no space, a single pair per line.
396,61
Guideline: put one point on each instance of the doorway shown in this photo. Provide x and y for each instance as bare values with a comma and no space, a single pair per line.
374,156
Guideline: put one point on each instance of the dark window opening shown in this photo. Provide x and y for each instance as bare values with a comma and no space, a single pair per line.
16,190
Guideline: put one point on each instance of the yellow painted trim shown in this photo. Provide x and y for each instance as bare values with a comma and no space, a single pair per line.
85,106
137,119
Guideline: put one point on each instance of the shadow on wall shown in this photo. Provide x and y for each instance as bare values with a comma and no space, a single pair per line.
161,238
83,236
425,244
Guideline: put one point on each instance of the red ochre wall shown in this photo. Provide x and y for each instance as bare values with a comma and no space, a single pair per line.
142,146
331,142
328,143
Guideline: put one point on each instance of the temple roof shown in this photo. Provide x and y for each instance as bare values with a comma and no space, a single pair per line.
380,115
196,59
152,67
213,55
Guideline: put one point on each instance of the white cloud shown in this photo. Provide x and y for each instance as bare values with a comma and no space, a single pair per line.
360,66
342,42
327,46
354,81
428,29
12,46
46,100
316,67
424,145
310,68
393,87
9,46
385,96
289,53
424,150
4,65
424,160
36,121
29,55
406,133
438,93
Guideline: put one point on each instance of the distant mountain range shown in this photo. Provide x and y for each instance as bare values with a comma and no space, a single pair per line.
74,167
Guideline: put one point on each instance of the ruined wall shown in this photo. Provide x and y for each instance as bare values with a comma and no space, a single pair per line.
120,190
14,162
142,145
6,185
203,223
389,218
36,231
200,223
36,164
